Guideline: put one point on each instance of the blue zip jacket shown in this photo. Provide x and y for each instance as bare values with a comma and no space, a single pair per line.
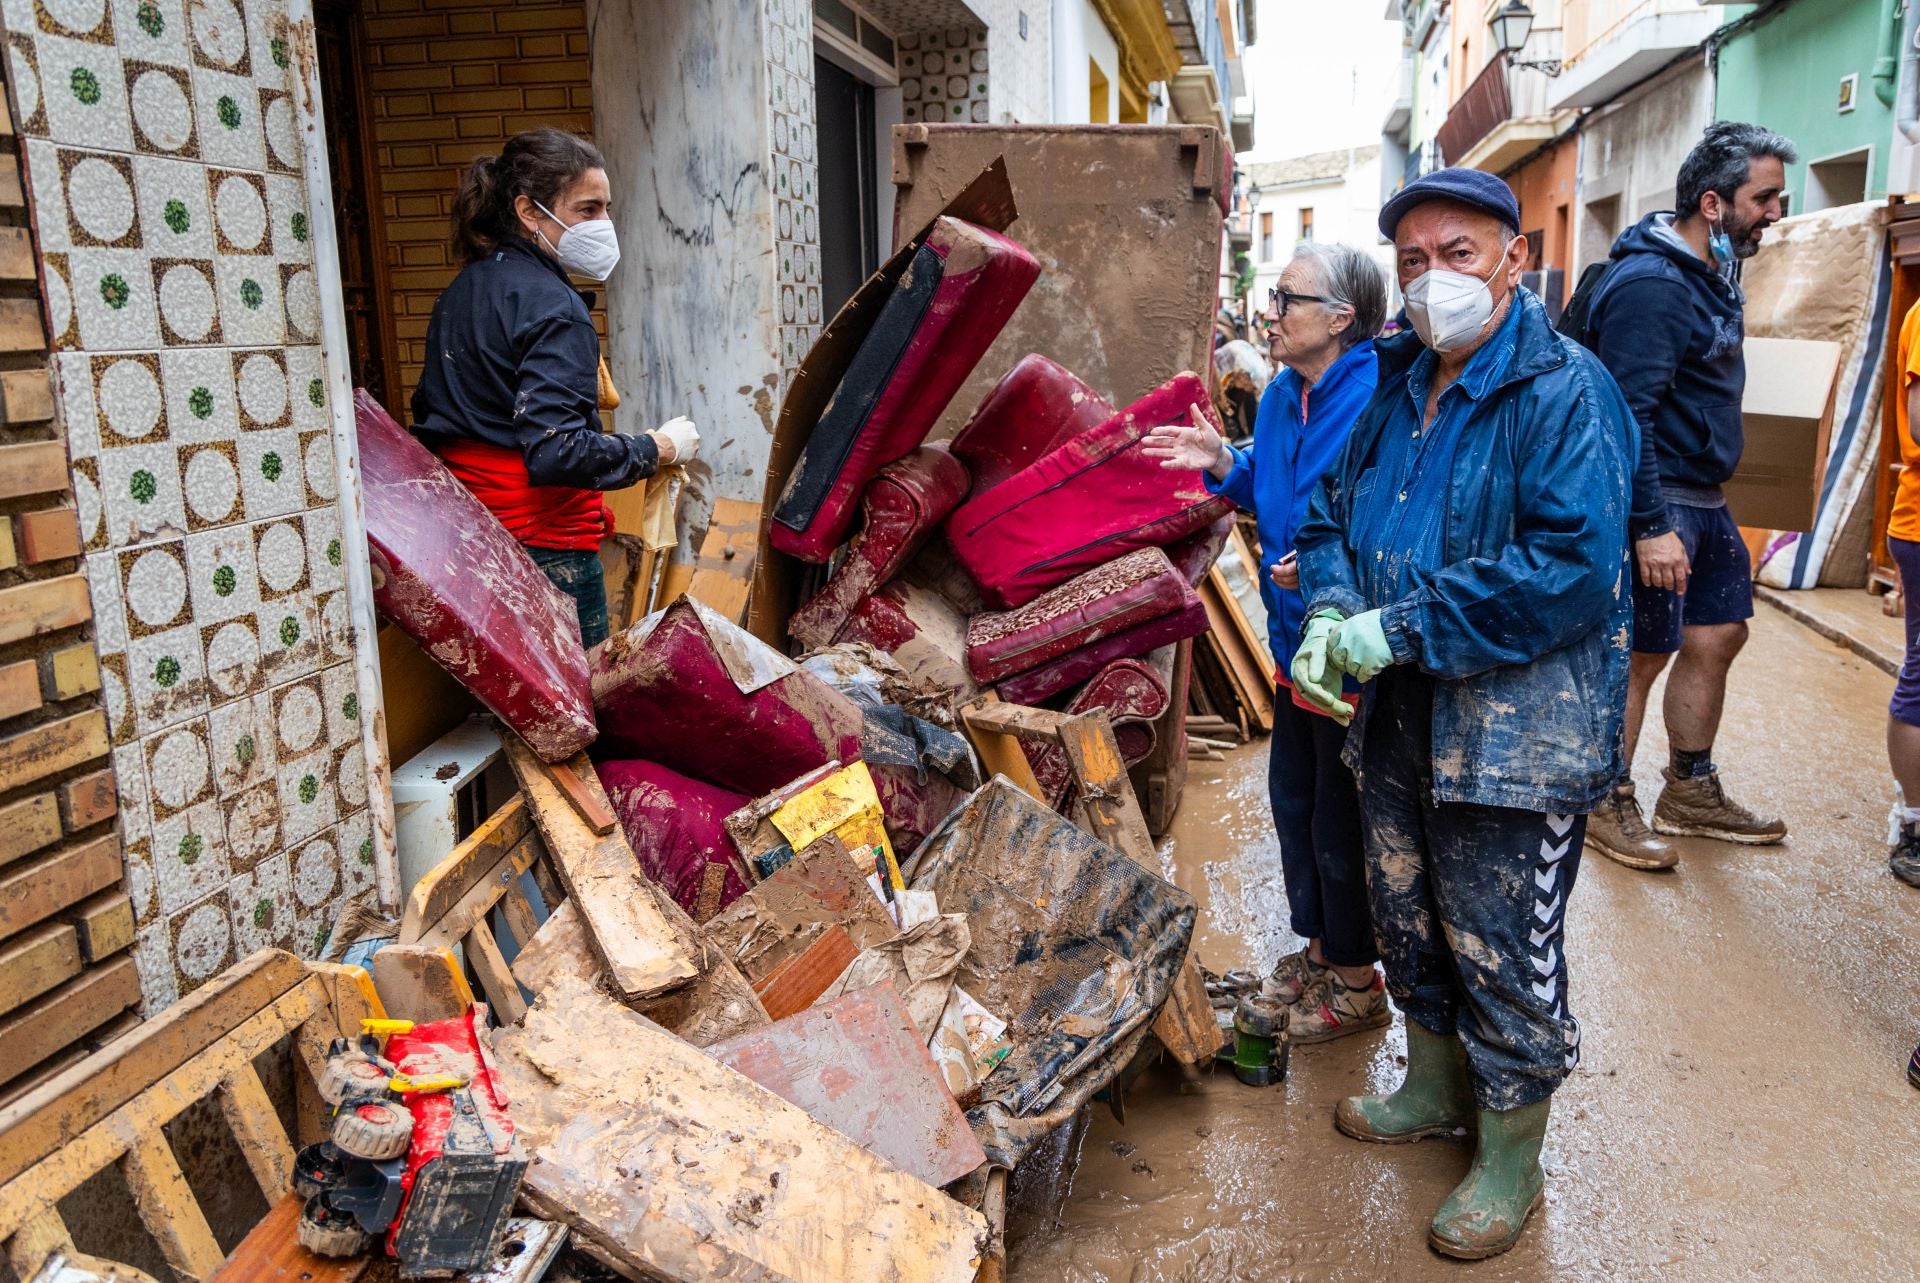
1670,329
1528,624
1275,478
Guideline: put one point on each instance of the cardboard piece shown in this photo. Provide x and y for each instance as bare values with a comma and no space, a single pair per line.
671,1167
920,964
857,1064
780,918
1788,415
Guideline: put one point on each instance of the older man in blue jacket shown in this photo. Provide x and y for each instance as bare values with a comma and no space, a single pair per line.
1466,559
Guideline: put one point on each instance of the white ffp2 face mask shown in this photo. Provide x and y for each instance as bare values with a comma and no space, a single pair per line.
1448,309
589,248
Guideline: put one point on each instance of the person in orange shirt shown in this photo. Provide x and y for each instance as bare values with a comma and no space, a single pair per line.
1903,542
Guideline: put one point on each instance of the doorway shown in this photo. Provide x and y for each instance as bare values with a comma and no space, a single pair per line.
849,201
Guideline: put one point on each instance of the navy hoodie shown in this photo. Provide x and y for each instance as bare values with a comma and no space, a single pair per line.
1668,327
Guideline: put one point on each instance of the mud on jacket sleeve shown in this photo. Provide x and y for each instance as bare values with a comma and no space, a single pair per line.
1644,332
555,414
1327,578
1557,578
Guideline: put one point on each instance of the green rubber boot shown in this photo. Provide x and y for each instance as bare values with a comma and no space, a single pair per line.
1486,1212
1433,1100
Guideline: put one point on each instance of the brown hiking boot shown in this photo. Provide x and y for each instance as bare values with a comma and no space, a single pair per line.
1697,806
1292,976
1331,1010
1618,830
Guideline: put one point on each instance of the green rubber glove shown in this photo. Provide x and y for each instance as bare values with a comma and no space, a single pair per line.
1360,647
1314,677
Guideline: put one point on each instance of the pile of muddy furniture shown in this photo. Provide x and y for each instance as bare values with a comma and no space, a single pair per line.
813,918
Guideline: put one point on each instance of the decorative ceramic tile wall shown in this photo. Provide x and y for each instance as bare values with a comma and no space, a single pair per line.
943,76
164,170
795,170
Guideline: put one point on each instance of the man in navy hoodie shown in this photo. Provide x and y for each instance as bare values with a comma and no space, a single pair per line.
1667,322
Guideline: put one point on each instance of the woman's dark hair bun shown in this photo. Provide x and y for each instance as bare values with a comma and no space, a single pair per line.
539,163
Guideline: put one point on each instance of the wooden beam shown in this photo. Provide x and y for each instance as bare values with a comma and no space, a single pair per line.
39,890
644,954
1108,808
480,861
35,962
421,982
169,1210
256,1128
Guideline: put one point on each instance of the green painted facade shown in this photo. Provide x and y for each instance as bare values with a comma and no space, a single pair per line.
1785,72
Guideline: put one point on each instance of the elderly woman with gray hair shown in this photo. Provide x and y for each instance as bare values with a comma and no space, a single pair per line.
1322,318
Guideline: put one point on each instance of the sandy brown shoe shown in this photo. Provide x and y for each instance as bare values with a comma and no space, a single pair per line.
1698,806
1332,1010
1292,976
1618,830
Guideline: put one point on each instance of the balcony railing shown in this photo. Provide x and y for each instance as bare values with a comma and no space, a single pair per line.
1604,21
1479,112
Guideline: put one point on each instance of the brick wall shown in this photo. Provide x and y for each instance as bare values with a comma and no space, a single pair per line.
67,980
450,80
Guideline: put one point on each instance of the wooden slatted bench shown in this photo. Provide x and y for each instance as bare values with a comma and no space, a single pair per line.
110,1110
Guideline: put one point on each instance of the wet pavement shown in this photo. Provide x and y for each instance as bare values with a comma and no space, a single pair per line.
1741,1111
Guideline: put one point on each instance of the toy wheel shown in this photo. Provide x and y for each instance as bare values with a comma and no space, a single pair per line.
325,1232
372,1129
316,1168
351,1074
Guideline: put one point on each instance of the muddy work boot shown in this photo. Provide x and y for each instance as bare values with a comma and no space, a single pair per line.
1292,976
1617,830
1697,806
1333,1009
1486,1212
1904,859
1433,1100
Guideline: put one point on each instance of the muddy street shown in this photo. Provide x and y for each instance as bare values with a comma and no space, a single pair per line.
1741,1109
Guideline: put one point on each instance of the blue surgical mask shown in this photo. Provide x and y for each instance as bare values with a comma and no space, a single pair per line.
1720,245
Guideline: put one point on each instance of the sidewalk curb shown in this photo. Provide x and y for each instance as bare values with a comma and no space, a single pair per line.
1783,603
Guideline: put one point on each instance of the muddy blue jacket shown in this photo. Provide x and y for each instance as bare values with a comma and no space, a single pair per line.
1274,478
1527,624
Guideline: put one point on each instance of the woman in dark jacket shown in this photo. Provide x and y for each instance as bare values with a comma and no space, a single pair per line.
511,393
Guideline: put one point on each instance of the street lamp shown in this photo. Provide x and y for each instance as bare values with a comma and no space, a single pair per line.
1511,27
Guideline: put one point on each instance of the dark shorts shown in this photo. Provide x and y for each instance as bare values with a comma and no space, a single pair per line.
1719,583
1905,706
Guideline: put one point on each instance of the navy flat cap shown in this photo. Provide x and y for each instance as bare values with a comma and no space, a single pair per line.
1472,187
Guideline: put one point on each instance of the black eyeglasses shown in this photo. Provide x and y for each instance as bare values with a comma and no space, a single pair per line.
1279,300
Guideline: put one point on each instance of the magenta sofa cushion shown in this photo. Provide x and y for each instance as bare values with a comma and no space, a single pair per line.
1133,694
962,285
1048,680
1091,607
450,576
677,827
1037,405
1091,500
903,507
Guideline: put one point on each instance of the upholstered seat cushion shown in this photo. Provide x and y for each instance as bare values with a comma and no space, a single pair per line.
677,827
1038,405
1133,693
1103,602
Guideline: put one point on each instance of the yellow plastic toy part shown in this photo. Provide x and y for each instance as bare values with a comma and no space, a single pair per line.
407,1085
386,1028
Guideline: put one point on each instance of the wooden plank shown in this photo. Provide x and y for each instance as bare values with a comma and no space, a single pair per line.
49,1023
664,1166
723,569
35,1241
28,825
41,889
347,998
1107,806
794,987
519,913
1015,719
1185,1023
44,606
35,962
475,862
105,925
75,1101
588,802
168,1209
256,1129
271,1253
12,194
1000,752
36,467
421,982
52,748
502,990
26,396
66,1161
857,1064
643,952
1229,633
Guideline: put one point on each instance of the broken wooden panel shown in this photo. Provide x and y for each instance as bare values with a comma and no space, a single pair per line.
777,920
795,986
668,1166
448,573
857,1064
643,951
1127,219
